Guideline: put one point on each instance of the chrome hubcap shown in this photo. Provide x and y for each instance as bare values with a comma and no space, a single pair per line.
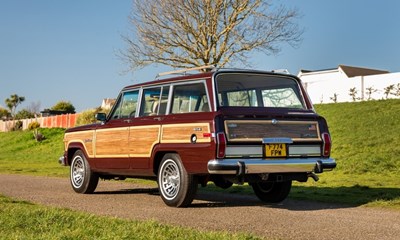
170,179
77,172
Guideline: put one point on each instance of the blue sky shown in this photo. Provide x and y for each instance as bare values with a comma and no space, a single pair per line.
52,50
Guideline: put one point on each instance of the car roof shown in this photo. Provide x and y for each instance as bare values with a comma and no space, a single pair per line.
201,75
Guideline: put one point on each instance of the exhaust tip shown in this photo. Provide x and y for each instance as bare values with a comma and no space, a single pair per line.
313,176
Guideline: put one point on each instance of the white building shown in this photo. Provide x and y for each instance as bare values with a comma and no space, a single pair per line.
108,103
324,86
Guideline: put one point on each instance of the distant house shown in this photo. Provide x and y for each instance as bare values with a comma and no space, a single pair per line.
108,103
329,85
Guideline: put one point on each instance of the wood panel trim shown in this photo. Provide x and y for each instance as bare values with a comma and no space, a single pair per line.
147,149
283,122
203,127
69,139
105,130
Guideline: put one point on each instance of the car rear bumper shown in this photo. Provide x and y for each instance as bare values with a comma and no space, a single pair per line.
256,166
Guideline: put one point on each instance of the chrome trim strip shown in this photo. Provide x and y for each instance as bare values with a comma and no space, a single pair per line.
301,150
246,150
257,151
277,140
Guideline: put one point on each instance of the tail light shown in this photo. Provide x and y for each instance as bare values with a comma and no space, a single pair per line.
221,145
327,144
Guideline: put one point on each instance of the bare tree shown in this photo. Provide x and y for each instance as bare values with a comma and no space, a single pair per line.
34,107
192,33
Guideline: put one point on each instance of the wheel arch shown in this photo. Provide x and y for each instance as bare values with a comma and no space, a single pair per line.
71,150
157,157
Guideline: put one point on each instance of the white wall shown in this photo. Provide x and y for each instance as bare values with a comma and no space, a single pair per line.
321,86
380,82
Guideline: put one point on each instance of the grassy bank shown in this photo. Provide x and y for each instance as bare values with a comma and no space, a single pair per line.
365,136
23,220
365,144
21,153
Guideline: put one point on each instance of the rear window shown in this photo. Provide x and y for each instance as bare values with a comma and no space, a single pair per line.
258,90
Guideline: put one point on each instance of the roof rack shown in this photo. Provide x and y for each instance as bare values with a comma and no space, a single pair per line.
186,70
284,71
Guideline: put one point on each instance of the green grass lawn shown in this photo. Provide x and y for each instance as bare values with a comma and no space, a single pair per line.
366,145
365,135
21,153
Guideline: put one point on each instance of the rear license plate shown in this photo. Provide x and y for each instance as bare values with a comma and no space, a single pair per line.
275,150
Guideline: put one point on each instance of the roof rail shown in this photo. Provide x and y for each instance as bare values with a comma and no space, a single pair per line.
284,71
184,71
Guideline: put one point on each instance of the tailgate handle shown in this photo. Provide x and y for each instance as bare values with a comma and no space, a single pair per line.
277,140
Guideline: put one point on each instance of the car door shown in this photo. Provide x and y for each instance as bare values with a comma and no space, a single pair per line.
112,137
144,133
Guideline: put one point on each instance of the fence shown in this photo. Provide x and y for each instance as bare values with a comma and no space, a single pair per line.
58,121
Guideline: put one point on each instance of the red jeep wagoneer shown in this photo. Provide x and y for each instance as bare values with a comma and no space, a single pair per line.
224,126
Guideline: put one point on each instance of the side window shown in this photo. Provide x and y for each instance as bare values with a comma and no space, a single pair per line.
154,101
126,105
162,109
150,101
204,106
190,98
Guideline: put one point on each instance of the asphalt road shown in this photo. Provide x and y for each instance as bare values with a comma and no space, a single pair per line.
212,211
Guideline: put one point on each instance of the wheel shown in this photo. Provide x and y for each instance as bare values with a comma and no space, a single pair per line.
272,192
83,180
177,187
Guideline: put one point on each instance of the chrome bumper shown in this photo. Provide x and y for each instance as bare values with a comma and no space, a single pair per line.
256,166
62,161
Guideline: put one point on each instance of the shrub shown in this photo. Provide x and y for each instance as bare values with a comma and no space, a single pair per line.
17,126
64,106
4,113
24,114
38,135
87,117
33,125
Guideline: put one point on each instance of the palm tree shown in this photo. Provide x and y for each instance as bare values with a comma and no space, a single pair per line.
13,102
